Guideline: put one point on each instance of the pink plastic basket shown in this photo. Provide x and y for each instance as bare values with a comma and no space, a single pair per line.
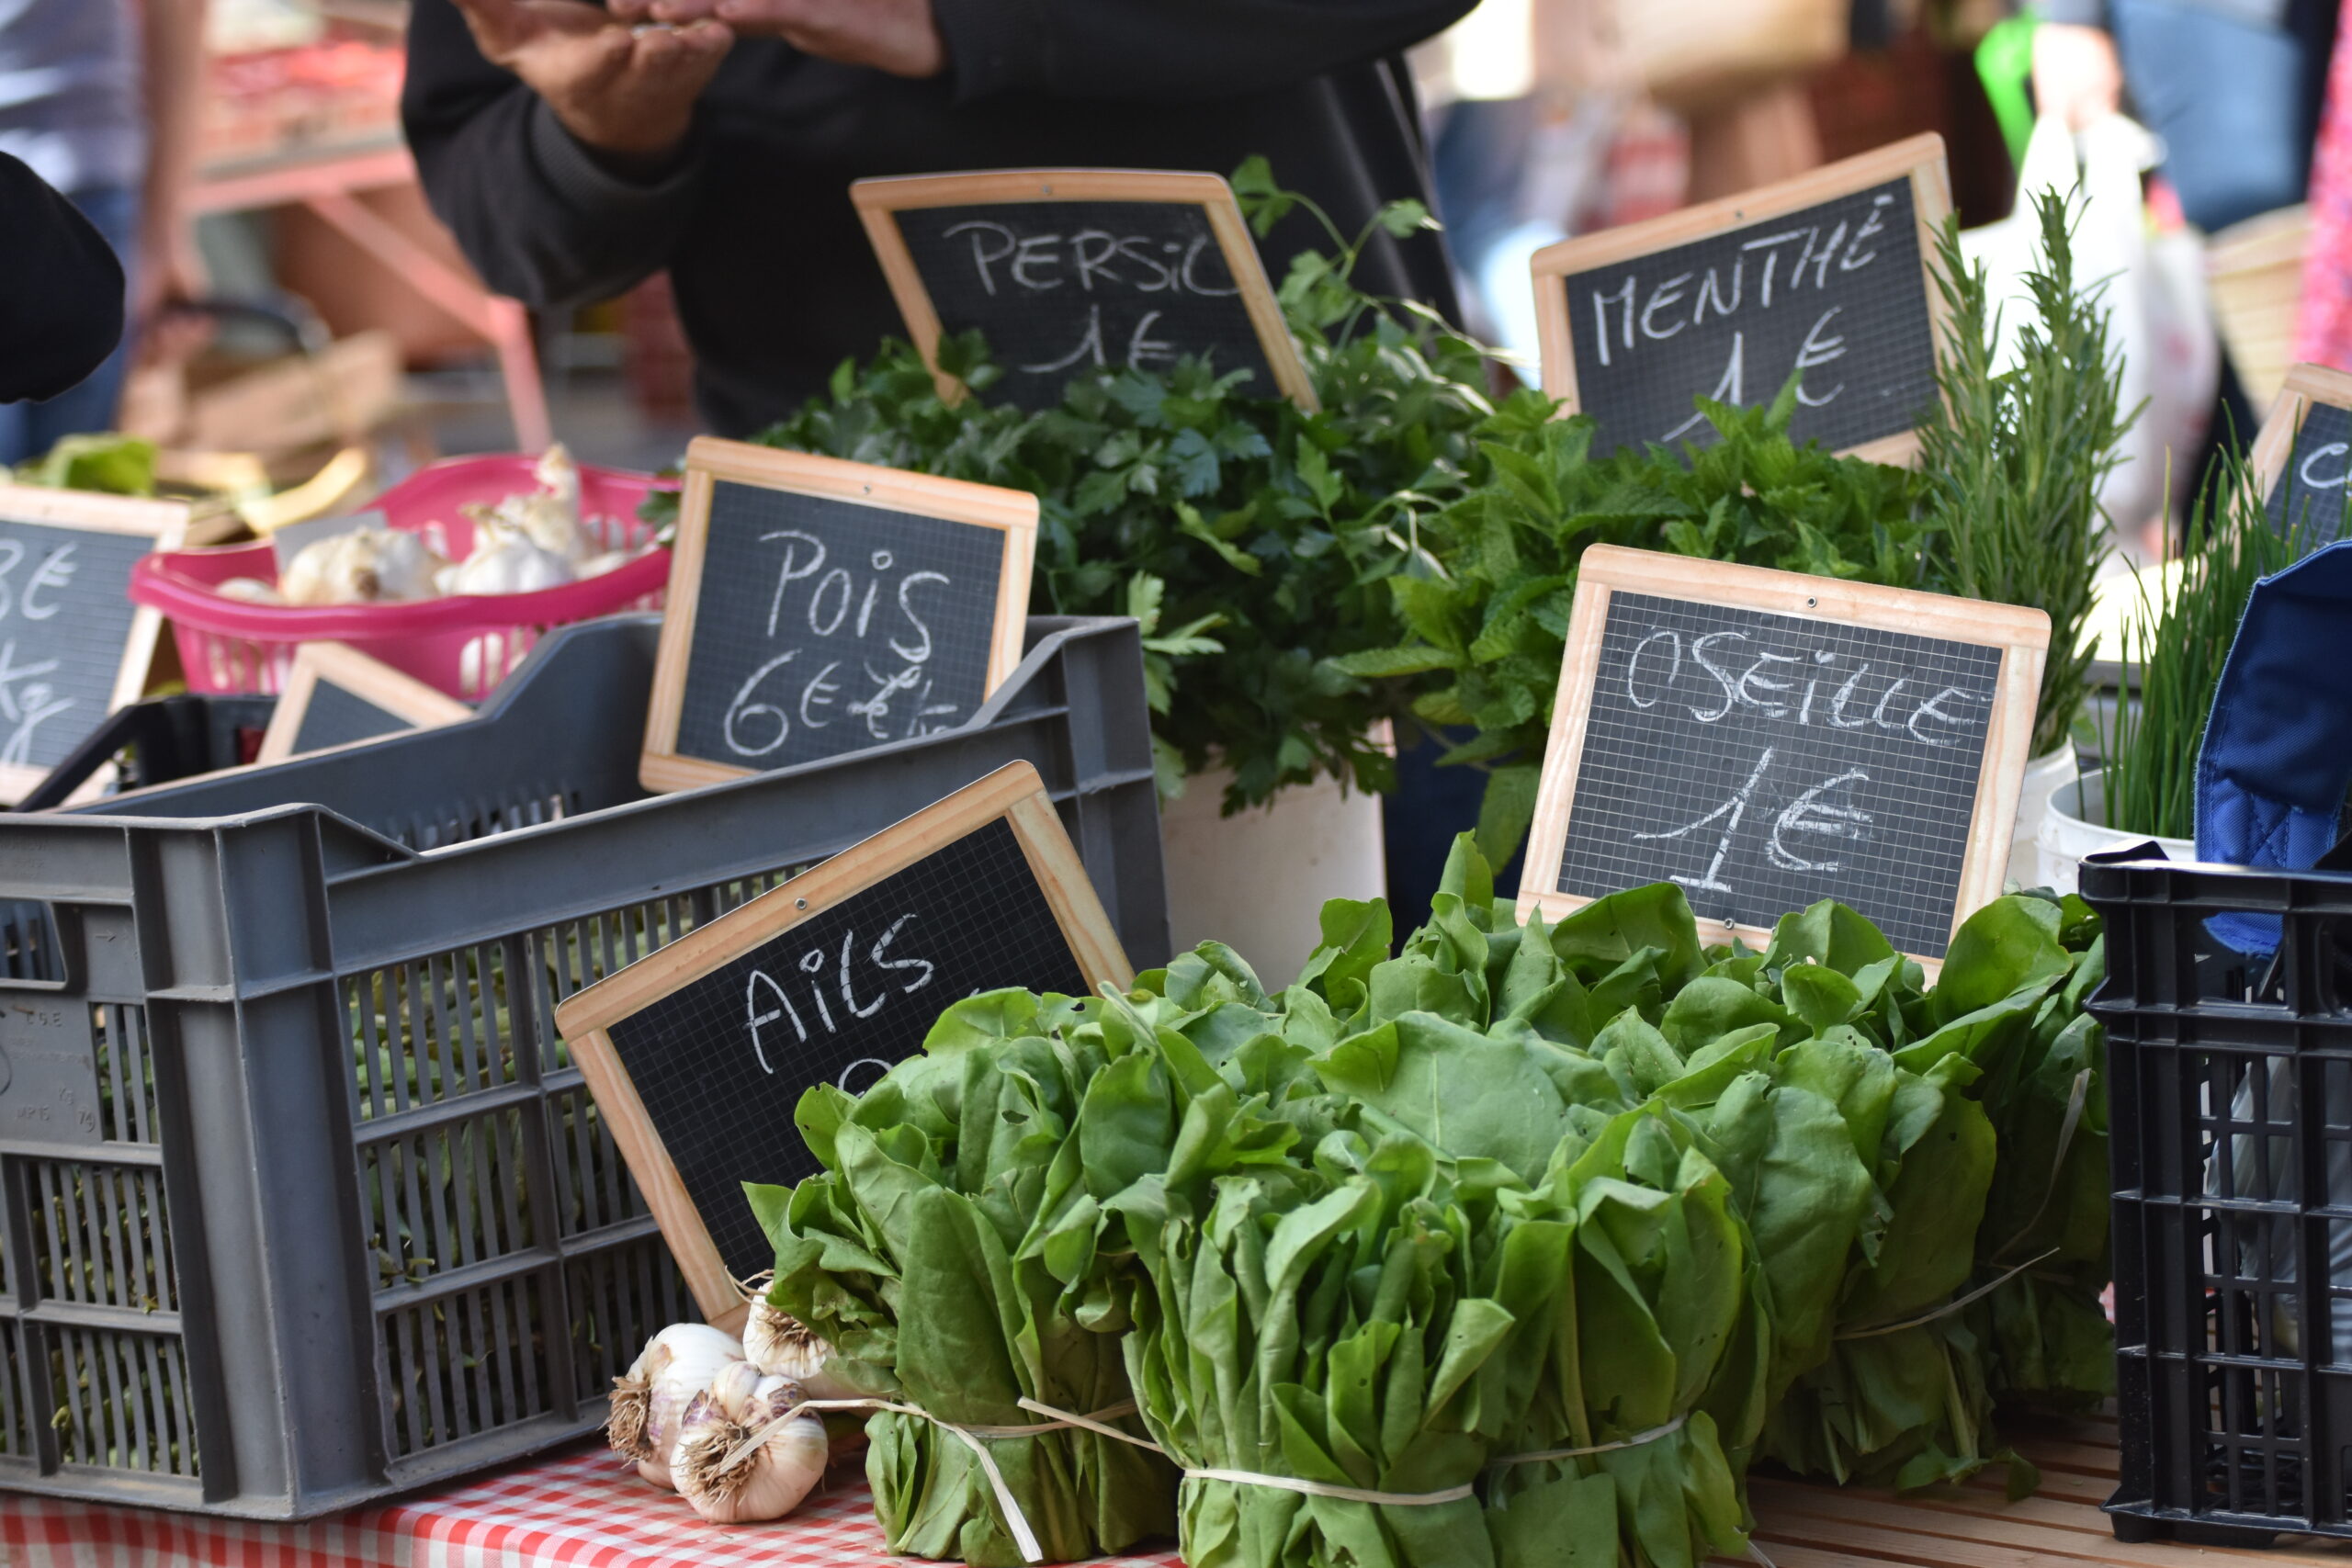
464,645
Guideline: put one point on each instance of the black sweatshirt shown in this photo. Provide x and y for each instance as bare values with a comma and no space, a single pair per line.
61,290
775,280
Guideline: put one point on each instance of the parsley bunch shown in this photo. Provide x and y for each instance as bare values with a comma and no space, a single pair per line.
1253,541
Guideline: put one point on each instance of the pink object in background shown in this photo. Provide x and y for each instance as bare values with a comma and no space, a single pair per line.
2323,322
464,645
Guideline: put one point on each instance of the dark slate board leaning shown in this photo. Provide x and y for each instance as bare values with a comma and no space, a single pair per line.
1765,761
720,1064
1834,291
335,717
824,626
65,621
1063,289
2310,490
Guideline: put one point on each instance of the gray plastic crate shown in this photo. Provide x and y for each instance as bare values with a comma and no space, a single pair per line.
302,1200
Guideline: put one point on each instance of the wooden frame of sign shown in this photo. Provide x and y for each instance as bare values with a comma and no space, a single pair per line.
2022,634
1012,793
1920,157
876,199
661,766
164,521
372,680
2305,385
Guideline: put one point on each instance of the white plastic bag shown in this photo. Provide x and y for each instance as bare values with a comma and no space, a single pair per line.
2160,320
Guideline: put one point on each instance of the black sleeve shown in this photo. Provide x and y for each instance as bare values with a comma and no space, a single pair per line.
60,289
539,215
1173,51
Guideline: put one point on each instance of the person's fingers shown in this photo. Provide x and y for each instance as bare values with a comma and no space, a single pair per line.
631,11
498,26
682,11
681,57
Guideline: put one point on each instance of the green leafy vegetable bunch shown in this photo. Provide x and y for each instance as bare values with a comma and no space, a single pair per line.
921,1253
1582,1216
1251,539
1486,605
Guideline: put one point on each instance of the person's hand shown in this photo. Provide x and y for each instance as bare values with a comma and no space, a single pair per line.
625,91
169,275
2075,74
896,36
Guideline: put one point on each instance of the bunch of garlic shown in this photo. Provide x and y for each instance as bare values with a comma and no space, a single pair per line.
650,1404
505,560
366,566
746,1451
782,1345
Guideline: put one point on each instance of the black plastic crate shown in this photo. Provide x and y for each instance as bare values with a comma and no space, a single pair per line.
302,1200
160,740
2230,1137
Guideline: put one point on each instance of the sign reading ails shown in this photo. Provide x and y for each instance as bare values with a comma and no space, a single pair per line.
73,645
2305,454
698,1054
1828,275
337,696
1069,271
818,607
1768,740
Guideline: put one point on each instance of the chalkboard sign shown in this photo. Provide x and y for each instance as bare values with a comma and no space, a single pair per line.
1827,274
1767,739
698,1054
337,696
818,607
1071,271
73,645
2304,453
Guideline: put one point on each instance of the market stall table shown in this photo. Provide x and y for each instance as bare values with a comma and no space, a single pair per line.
583,1509
576,1509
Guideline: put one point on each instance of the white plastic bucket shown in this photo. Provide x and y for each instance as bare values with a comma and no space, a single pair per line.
1257,881
2068,835
2044,776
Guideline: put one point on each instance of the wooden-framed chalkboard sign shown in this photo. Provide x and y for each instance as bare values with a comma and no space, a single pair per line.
2305,454
698,1054
1071,271
1830,275
1767,739
337,696
73,645
818,607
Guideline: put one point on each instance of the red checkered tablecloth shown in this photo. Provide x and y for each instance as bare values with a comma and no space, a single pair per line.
576,1510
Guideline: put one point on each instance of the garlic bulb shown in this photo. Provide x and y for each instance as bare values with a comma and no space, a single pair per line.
782,1345
558,478
727,1488
505,560
649,1404
251,590
365,566
596,566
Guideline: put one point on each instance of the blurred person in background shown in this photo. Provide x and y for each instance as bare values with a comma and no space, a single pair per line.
2233,87
574,154
99,98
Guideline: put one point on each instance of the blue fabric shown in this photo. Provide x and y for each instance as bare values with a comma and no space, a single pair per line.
69,92
28,430
2237,102
2278,753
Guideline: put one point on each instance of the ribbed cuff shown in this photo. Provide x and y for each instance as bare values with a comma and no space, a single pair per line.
586,184
2073,13
993,46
